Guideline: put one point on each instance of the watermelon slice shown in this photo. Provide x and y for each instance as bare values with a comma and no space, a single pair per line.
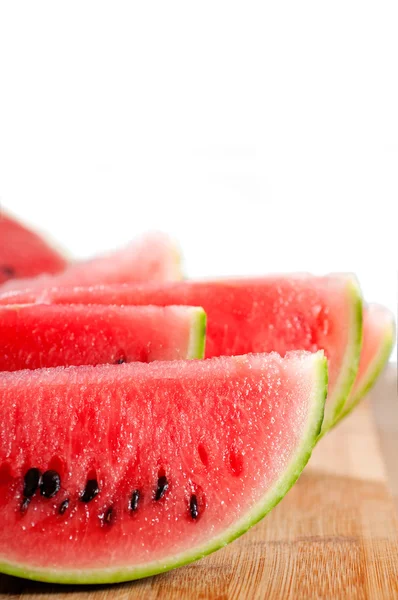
42,335
279,313
151,257
152,465
378,341
23,253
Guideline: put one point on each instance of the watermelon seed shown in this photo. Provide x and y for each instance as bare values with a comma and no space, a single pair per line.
163,486
63,506
108,516
32,480
50,484
90,491
135,498
122,359
8,271
24,505
193,507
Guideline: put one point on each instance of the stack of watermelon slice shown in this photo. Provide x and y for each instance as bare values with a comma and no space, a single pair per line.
120,456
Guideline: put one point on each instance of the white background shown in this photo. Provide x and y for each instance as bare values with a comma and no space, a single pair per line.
264,137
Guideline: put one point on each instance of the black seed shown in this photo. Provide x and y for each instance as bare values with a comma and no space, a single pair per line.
24,505
8,271
163,486
120,360
91,491
50,484
31,482
135,498
63,506
193,507
109,516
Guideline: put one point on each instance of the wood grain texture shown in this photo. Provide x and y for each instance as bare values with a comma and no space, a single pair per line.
334,536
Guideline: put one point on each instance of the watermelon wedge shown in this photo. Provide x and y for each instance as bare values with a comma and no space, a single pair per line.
378,341
23,253
152,465
42,335
151,257
277,313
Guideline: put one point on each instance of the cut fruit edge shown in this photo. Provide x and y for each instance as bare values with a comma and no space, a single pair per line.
374,369
168,256
197,338
350,363
272,497
194,317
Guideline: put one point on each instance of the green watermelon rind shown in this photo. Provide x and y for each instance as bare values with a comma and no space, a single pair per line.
273,496
349,369
374,371
197,339
197,336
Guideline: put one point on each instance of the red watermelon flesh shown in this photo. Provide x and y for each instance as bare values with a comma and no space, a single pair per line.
151,257
276,313
151,465
23,253
378,341
43,335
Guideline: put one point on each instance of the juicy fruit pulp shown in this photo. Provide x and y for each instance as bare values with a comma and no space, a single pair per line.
277,313
41,335
23,253
378,341
151,257
158,464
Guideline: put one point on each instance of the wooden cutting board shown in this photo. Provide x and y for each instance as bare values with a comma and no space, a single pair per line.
334,536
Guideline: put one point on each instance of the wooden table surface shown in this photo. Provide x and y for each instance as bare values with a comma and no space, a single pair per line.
334,536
